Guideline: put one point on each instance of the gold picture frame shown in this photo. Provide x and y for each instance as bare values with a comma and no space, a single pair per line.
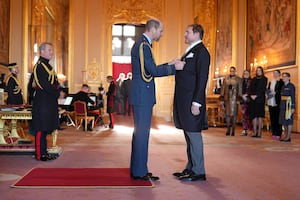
271,33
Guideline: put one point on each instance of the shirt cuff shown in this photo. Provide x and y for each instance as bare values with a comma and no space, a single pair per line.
197,104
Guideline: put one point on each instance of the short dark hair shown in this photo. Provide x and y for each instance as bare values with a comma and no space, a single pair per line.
110,77
277,70
85,86
286,74
152,23
100,88
197,28
232,67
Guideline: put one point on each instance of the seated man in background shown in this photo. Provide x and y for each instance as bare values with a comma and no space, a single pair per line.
61,109
83,95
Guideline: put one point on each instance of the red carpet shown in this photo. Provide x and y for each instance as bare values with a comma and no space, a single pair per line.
79,178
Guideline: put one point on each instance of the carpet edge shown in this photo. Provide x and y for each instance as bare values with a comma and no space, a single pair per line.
14,184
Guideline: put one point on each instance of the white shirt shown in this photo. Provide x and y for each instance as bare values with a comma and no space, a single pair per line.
192,45
272,100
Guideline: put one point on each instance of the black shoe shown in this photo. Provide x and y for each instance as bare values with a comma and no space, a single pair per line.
193,177
50,157
286,140
183,173
47,157
43,158
147,177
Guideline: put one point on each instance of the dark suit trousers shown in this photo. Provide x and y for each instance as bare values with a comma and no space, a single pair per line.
140,139
276,128
195,152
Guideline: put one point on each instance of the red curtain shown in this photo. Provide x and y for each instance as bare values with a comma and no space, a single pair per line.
120,68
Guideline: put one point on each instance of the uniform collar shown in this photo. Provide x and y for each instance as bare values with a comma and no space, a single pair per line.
148,39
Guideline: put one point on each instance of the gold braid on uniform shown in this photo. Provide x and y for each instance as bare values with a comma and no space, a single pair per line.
288,110
18,89
51,74
146,77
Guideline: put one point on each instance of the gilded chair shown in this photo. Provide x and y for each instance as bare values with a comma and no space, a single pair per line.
81,114
97,113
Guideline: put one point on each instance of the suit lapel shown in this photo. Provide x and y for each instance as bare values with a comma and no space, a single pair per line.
189,51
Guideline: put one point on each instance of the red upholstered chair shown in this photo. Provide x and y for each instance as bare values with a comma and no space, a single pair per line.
97,113
81,114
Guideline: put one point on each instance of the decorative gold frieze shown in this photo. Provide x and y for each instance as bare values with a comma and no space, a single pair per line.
133,11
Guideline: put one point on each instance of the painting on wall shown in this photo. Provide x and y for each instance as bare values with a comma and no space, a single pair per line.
271,35
224,38
4,31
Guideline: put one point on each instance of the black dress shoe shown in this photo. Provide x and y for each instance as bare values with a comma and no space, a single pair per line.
147,177
193,177
286,140
43,158
183,173
49,157
256,136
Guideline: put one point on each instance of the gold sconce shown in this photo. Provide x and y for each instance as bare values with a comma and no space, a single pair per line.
263,62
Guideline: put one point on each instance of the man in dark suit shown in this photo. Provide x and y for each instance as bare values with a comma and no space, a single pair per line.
142,95
83,95
189,102
125,90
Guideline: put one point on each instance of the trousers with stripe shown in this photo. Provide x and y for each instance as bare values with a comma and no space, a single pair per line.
40,144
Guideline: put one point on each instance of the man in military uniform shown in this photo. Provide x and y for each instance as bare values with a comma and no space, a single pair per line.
142,96
45,117
13,88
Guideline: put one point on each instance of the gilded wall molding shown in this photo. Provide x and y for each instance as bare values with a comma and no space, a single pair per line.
205,15
93,72
133,11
